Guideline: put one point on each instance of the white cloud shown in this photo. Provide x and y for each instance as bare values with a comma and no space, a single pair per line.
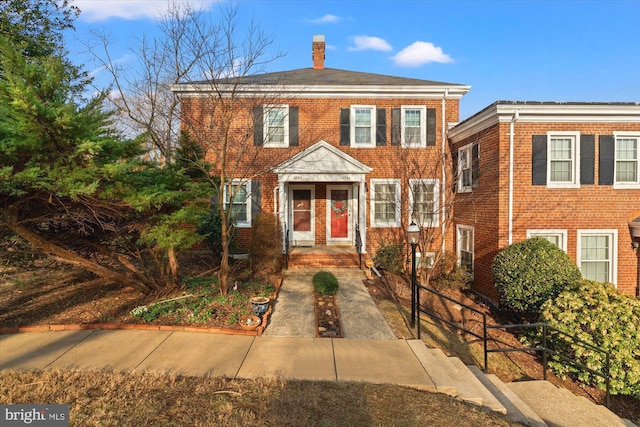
99,10
420,53
370,43
326,19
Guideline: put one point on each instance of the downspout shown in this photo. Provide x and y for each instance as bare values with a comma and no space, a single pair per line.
443,183
515,118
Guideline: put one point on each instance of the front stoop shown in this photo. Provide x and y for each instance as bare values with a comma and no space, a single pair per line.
324,260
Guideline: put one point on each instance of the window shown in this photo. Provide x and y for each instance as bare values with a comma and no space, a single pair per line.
557,237
627,160
414,126
423,202
465,247
385,202
468,167
563,154
363,131
238,194
276,125
597,254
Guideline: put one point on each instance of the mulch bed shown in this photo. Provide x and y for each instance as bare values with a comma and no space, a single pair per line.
327,317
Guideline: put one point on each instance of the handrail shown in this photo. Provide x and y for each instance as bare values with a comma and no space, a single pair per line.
359,244
286,248
544,348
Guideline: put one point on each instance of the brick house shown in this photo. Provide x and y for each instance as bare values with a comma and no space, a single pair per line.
335,152
569,172
343,157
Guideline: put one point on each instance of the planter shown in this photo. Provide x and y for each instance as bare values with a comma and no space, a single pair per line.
250,322
259,305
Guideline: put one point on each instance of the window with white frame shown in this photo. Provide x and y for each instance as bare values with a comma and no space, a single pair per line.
627,163
385,202
563,159
276,125
465,246
414,126
557,237
597,254
237,197
423,202
363,129
465,168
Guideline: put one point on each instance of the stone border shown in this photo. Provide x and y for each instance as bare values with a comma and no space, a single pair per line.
142,327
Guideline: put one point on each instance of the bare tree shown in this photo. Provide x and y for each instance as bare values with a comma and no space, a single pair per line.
206,58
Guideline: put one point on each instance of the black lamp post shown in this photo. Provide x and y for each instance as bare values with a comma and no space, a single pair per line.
413,234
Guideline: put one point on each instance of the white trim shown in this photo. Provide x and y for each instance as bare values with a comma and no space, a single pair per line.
372,209
350,207
423,126
265,125
626,185
247,184
435,201
554,232
613,237
352,126
575,160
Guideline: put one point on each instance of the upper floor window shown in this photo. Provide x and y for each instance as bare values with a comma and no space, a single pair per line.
363,129
414,129
237,198
627,160
276,125
468,167
423,202
385,202
563,159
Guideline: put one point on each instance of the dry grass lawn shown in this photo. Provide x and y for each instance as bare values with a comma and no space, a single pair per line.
118,399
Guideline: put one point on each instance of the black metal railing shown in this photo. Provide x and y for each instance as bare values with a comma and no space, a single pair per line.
546,346
359,244
286,248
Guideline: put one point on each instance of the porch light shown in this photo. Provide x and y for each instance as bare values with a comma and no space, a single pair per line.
634,228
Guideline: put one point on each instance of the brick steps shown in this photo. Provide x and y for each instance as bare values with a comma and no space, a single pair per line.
304,260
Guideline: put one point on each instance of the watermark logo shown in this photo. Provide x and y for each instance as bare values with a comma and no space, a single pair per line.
36,415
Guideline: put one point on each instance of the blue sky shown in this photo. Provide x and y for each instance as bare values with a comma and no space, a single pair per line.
505,50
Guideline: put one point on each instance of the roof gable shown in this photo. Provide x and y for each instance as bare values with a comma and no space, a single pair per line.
322,158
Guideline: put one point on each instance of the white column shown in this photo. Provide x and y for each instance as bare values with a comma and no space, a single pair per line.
283,209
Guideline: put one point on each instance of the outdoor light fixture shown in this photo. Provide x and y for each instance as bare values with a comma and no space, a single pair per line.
413,235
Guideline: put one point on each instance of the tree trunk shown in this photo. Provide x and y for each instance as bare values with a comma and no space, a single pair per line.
174,266
68,257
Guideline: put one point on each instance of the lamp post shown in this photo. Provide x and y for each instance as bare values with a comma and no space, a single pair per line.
413,234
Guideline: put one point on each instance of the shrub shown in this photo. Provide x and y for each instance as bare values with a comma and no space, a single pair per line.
598,314
325,283
389,257
530,272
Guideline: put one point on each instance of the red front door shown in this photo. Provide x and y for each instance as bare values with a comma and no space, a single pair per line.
339,214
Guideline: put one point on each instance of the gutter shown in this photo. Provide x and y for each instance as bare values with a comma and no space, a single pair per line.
443,182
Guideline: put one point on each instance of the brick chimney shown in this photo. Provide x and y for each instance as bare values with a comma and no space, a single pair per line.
317,52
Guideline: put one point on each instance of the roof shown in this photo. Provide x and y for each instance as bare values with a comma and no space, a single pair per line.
325,82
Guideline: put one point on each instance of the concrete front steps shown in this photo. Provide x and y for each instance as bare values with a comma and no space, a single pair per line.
531,403
324,260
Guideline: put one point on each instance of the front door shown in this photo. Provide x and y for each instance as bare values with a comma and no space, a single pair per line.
339,215
302,214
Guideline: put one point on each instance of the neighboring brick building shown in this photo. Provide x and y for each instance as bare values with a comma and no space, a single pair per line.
569,172
332,151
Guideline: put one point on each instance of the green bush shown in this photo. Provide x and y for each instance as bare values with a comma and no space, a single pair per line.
598,314
529,273
389,256
325,283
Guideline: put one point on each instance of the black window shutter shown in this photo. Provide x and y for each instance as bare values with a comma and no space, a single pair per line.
475,165
293,127
539,160
257,126
381,127
431,127
456,170
606,159
395,126
587,158
256,200
345,127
